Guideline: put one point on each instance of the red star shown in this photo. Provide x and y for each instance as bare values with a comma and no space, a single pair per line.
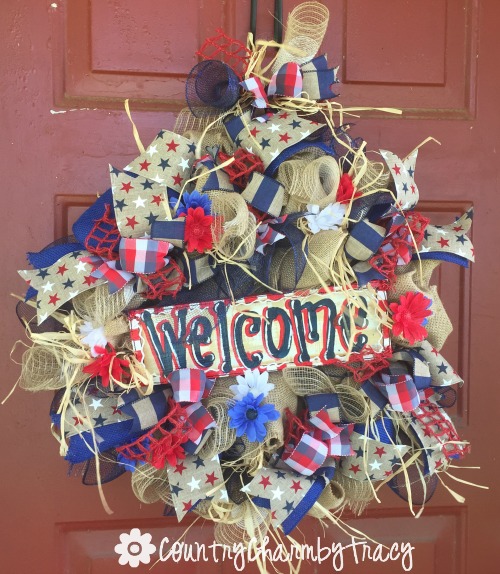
458,228
273,515
413,189
116,410
177,179
180,468
62,270
284,116
285,138
265,482
296,486
78,421
428,432
156,199
254,132
388,472
439,463
145,164
172,146
132,222
211,478
435,351
314,123
89,280
126,187
355,468
444,242
187,506
397,170
380,451
54,299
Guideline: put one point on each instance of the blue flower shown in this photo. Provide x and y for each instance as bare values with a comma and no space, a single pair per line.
248,417
194,200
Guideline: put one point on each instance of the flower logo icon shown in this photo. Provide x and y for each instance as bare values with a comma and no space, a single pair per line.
134,548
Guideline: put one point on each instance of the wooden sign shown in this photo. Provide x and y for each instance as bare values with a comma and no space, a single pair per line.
269,332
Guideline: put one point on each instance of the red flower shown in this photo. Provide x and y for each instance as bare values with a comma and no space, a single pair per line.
345,190
198,232
107,366
166,451
410,315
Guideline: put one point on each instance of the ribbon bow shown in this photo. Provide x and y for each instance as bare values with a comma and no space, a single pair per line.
291,80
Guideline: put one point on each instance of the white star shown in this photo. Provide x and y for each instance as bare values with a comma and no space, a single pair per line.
194,484
375,465
42,317
275,154
184,163
447,381
274,128
223,495
245,488
400,446
73,294
441,231
158,179
250,149
215,458
152,150
47,287
127,168
81,266
277,493
139,202
96,403
461,252
305,134
424,249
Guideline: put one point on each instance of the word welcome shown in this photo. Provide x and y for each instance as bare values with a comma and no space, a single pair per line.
358,550
307,328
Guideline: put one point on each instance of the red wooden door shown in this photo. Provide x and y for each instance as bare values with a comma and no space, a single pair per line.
66,67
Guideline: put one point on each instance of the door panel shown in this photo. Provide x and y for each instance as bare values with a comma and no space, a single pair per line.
66,68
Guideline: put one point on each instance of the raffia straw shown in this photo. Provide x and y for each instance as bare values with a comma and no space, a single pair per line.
135,131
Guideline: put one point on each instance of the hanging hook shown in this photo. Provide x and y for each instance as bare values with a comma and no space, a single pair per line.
278,19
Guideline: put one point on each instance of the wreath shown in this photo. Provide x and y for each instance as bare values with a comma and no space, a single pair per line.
244,322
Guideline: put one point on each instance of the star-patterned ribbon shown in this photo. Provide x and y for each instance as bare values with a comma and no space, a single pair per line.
194,479
402,171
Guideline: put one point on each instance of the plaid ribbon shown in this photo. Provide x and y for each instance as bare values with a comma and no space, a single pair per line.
326,402
336,437
189,385
110,271
146,412
267,235
308,455
255,86
143,255
287,81
171,231
318,79
202,423
264,193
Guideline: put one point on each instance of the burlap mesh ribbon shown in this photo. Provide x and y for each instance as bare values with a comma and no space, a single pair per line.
305,29
246,521
332,498
357,494
416,277
150,484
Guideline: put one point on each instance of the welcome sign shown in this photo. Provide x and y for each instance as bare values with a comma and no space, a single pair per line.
270,332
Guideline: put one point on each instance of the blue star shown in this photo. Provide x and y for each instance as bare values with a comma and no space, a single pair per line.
461,238
427,235
151,218
265,143
442,368
76,254
295,124
395,460
147,184
411,171
191,148
161,133
237,142
288,506
68,284
115,171
175,489
469,214
99,420
280,474
163,164
120,204
405,187
42,273
199,462
359,452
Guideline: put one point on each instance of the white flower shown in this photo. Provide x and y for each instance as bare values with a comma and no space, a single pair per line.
330,217
94,337
135,548
252,382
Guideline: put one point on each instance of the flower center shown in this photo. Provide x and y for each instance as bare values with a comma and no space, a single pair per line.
252,414
407,316
197,230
